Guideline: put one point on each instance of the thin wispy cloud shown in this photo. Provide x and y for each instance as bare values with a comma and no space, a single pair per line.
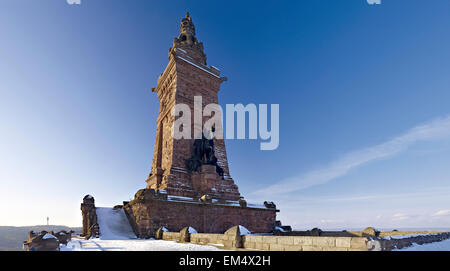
400,216
433,130
423,195
442,213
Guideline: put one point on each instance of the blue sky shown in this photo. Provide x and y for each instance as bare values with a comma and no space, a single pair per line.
77,115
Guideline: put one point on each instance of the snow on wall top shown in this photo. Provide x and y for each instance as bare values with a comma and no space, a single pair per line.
192,230
48,236
244,231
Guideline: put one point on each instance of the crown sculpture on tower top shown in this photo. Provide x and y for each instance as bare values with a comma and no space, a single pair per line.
188,42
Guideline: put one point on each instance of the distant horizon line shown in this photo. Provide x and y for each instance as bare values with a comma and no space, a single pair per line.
294,229
42,226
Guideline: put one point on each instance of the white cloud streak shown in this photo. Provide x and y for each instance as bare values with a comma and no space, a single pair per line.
442,213
433,130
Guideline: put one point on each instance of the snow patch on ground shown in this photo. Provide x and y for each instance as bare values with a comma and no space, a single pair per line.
97,244
409,236
116,234
436,246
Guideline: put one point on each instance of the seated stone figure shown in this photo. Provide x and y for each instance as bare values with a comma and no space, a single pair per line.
202,154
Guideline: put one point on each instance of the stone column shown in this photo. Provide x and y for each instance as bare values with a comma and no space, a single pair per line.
90,225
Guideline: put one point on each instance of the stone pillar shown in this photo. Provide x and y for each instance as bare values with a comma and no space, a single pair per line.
185,235
90,225
159,233
235,233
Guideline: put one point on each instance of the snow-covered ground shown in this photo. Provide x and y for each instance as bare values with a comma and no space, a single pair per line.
409,235
436,246
98,244
117,234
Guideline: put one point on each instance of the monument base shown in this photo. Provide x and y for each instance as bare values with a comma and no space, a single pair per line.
153,209
179,182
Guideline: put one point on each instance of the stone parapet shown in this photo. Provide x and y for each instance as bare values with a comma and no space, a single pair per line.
151,210
233,239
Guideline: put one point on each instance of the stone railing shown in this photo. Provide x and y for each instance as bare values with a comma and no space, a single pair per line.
46,241
171,236
212,239
306,243
232,239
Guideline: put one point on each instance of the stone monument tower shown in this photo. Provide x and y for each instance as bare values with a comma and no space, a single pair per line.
189,183
185,77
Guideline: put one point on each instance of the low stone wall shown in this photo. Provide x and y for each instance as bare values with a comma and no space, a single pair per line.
232,239
172,236
213,239
305,243
319,233
43,241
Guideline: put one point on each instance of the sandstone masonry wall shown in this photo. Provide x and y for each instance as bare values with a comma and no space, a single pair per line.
305,243
278,243
171,236
227,241
147,212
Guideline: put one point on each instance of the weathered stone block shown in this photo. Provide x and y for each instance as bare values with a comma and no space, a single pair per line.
286,240
358,243
335,249
262,246
324,241
292,248
311,248
276,247
344,242
228,244
303,240
269,239
249,245
253,238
